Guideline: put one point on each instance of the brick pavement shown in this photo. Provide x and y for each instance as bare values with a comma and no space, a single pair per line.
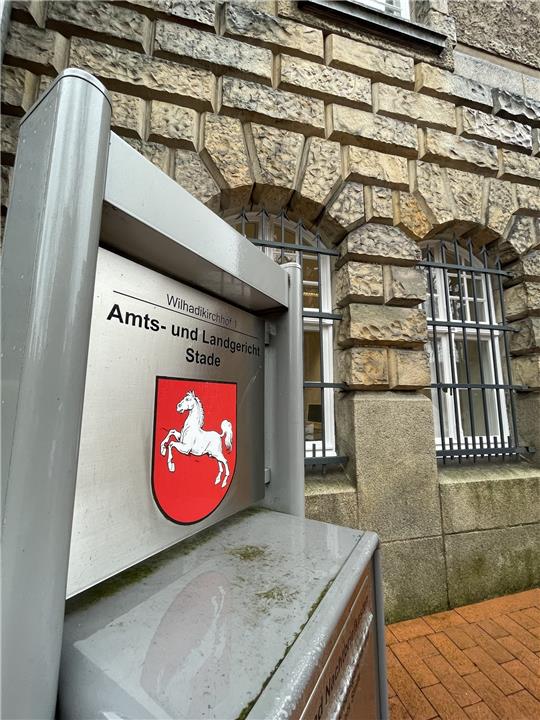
478,662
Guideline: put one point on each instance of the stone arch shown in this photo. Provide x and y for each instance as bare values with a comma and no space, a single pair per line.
335,189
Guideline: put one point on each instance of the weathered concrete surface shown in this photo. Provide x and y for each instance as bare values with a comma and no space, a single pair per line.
513,27
413,578
484,497
331,499
488,563
391,437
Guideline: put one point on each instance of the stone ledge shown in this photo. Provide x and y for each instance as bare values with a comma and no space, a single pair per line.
482,498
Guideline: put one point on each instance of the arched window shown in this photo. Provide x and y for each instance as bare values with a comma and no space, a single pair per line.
286,241
472,389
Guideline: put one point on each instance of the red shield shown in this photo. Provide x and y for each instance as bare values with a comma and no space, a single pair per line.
194,448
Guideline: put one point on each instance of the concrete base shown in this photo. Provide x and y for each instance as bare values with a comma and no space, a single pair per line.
488,563
485,497
331,499
414,578
391,436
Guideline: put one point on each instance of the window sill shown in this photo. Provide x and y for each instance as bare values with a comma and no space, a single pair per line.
397,28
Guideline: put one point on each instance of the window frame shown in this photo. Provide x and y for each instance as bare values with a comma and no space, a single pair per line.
321,318
451,393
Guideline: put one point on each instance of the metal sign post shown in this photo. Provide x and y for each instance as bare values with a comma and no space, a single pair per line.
48,270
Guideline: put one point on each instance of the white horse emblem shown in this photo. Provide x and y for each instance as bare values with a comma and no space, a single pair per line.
193,440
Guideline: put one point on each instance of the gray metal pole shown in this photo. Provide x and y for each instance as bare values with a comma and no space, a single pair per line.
284,417
48,275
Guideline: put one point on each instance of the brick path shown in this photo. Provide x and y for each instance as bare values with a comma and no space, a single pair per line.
478,662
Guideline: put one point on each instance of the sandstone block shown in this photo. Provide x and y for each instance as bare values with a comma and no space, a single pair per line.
404,286
9,134
408,369
479,125
373,131
527,267
369,166
348,207
500,206
531,87
523,235
128,114
455,151
382,325
376,63
191,173
516,107
526,339
379,243
536,141
224,143
380,204
147,75
100,17
517,166
274,32
202,12
6,183
522,300
467,192
216,52
526,371
359,282
278,153
528,197
322,176
18,89
157,154
41,50
322,81
432,80
431,184
260,103
173,124
364,368
424,110
411,216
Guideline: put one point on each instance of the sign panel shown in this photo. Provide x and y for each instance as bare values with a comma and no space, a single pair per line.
172,433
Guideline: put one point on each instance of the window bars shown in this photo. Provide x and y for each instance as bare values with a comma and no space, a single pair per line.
472,390
286,241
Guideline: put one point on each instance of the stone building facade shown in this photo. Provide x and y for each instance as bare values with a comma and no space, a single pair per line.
379,134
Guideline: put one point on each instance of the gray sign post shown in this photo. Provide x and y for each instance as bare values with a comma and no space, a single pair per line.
48,271
152,387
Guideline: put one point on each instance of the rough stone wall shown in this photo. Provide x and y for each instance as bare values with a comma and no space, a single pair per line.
508,28
376,145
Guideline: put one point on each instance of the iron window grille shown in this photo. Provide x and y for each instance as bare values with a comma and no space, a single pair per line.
472,390
286,241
